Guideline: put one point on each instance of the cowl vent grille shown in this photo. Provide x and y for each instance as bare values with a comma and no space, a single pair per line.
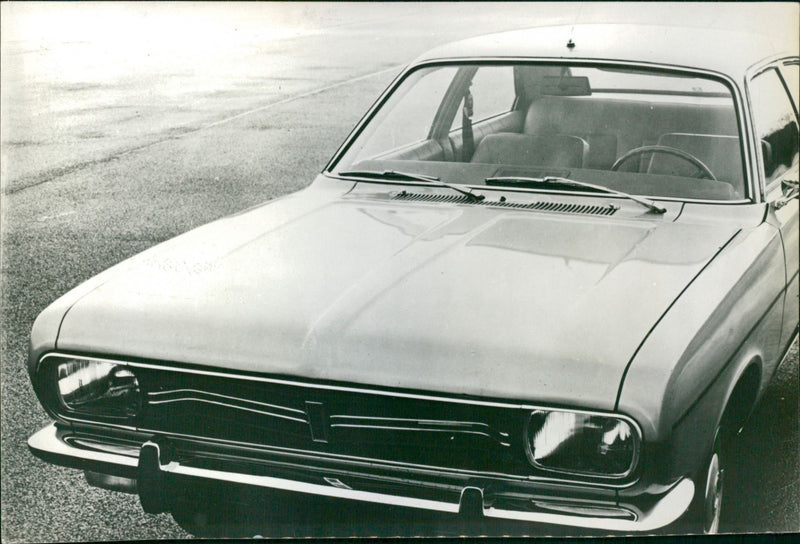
560,207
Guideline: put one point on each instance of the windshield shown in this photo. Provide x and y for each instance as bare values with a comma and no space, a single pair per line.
646,132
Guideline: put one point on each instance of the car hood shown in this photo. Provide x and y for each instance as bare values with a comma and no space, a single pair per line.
462,299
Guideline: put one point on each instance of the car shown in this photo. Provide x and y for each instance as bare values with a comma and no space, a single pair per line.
546,278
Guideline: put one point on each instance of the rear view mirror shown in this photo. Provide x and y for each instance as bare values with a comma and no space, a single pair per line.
565,86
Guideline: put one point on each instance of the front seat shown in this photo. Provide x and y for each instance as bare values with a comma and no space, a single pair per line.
559,150
720,153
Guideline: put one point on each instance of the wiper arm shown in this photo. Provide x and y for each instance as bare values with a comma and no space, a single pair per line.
517,180
394,174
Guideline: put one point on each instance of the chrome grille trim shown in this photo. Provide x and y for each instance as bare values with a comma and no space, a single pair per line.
422,425
227,405
217,395
389,428
236,403
368,461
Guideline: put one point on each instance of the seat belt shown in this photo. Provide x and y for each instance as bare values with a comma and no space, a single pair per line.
468,141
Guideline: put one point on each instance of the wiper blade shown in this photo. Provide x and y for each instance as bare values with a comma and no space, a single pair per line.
407,176
556,180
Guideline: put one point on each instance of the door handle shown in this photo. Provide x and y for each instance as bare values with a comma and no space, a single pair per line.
791,190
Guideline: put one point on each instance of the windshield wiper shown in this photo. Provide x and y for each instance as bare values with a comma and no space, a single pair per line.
406,176
521,180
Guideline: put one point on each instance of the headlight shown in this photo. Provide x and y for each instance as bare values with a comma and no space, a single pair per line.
582,443
97,388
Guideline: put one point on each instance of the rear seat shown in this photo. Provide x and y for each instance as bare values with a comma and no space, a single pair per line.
560,150
612,127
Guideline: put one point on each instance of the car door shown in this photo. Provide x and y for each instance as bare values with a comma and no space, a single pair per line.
775,119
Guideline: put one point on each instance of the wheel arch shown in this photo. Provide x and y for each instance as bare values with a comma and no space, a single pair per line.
742,397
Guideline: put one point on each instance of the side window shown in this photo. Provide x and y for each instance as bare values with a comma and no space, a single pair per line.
775,123
791,73
407,117
492,93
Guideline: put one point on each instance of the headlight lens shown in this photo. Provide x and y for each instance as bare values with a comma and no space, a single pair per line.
98,388
581,443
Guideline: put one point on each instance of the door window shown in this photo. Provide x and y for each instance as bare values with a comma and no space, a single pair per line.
791,73
492,93
407,117
775,123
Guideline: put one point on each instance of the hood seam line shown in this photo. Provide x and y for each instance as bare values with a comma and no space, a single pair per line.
663,314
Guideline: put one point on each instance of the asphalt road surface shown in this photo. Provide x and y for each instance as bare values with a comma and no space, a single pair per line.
121,129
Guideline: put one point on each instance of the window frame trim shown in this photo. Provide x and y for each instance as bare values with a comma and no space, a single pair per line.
781,70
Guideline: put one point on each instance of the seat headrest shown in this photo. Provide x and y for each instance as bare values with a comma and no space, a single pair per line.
532,150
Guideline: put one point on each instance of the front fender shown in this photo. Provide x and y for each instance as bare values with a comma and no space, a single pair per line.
728,318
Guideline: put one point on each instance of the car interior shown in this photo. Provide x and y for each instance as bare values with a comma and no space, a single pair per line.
559,125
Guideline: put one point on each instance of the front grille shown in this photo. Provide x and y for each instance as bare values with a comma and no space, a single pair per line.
377,425
559,207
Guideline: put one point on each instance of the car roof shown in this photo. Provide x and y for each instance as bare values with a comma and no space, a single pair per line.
730,52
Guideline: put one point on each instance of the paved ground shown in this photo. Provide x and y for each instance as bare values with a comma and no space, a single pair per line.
122,129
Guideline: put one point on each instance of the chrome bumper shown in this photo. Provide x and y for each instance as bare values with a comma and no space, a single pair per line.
152,468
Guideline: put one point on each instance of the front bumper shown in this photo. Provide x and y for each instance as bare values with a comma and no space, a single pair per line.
154,466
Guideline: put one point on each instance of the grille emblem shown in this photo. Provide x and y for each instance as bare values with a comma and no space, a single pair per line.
317,421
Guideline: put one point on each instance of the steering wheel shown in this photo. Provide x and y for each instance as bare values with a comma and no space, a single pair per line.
703,169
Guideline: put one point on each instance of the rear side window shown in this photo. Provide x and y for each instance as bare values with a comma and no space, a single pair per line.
775,122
